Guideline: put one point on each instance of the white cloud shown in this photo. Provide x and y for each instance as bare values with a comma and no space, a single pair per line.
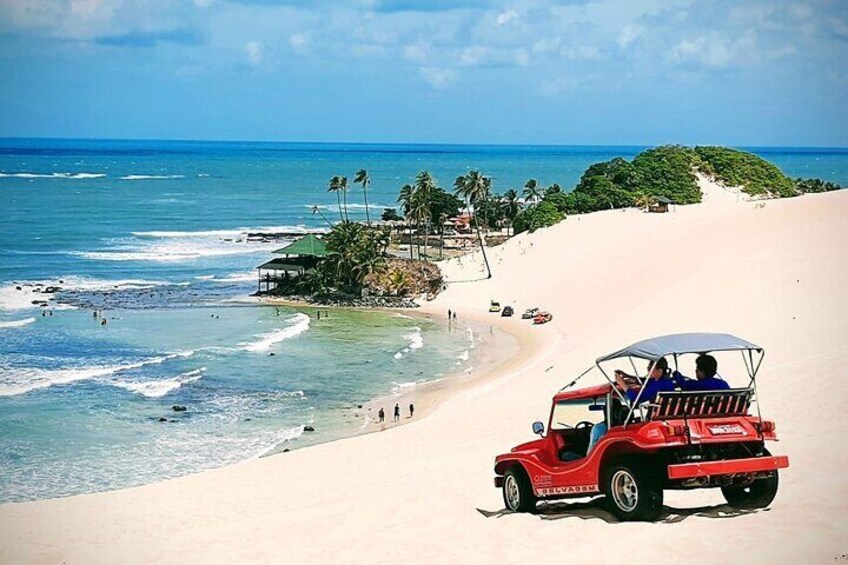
438,77
714,51
473,56
416,52
629,33
253,50
300,42
547,45
581,52
506,17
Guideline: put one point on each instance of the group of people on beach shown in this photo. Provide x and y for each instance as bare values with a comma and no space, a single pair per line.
381,415
98,315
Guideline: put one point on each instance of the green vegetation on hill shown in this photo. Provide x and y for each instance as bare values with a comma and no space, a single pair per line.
755,175
542,215
815,185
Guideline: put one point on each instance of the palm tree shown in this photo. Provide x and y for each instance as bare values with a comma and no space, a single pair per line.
405,198
644,200
335,186
473,188
363,179
531,191
553,189
424,187
343,188
510,206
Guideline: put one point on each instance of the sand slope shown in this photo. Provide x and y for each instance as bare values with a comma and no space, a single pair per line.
774,273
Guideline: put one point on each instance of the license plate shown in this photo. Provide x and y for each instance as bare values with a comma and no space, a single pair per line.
726,429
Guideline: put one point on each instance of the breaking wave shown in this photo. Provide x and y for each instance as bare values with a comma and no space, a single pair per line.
20,381
160,387
264,342
16,323
151,177
70,176
416,341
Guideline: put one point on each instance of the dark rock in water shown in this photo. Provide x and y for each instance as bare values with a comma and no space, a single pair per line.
308,429
163,419
286,450
247,419
271,354
177,408
359,406
18,288
40,302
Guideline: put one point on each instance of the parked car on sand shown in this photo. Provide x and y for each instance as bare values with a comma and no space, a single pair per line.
507,312
530,313
494,306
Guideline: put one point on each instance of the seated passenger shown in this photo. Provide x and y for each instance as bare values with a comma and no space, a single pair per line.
658,381
598,431
705,370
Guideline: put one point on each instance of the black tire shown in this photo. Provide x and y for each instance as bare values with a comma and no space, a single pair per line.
517,491
758,494
633,493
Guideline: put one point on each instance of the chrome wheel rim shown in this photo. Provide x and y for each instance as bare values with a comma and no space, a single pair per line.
513,497
625,493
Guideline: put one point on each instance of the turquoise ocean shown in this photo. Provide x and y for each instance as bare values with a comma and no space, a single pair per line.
157,235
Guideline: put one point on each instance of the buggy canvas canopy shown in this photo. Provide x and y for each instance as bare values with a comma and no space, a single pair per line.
656,347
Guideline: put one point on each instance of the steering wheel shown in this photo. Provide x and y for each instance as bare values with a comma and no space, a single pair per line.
584,424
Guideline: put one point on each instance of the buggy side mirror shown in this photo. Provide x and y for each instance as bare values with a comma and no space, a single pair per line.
538,428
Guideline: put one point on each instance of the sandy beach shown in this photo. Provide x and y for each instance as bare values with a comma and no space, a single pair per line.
773,272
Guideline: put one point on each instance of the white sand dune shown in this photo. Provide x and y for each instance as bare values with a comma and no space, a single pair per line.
773,273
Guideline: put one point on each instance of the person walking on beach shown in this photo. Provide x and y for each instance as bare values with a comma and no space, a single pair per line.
381,415
397,413
449,315
411,409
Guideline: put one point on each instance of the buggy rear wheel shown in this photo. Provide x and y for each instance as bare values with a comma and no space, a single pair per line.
758,494
632,493
517,492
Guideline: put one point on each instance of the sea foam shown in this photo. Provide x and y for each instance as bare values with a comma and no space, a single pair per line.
16,323
160,387
20,381
264,342
151,177
71,176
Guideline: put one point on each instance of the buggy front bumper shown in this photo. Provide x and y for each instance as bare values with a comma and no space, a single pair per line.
728,467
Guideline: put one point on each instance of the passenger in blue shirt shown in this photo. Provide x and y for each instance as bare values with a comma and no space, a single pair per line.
706,368
658,381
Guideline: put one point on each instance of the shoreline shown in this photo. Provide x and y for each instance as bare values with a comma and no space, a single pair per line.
429,395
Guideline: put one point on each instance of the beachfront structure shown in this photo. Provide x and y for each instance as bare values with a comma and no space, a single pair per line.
299,257
660,205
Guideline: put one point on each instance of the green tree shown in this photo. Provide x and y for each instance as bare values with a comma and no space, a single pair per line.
335,186
390,215
539,216
363,179
531,191
474,187
405,198
511,207
553,189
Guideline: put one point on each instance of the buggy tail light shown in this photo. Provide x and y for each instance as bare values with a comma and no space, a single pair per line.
764,426
676,430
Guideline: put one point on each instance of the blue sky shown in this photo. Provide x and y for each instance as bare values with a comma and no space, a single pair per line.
464,71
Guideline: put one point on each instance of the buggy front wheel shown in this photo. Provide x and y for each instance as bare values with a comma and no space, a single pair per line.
517,491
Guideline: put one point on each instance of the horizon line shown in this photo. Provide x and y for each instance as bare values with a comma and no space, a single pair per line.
415,143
